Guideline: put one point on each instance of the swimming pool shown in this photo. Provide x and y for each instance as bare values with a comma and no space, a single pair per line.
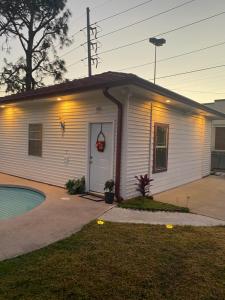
15,201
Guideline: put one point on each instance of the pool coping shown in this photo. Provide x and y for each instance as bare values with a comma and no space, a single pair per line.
23,187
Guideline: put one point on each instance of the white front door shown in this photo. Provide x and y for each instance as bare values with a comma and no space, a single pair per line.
101,163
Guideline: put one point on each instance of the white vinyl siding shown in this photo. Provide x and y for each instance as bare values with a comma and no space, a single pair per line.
138,142
206,162
188,150
64,155
188,158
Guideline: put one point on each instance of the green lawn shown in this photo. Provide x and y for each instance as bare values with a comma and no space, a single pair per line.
142,203
122,261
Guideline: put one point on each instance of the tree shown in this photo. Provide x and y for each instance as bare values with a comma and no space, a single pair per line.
37,24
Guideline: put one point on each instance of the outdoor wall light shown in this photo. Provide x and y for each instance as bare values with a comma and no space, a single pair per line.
62,124
2,106
59,99
168,101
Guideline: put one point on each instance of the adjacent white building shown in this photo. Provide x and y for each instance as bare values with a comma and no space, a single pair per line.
111,125
218,136
218,126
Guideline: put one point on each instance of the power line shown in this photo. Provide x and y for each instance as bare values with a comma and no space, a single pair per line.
146,19
76,33
110,17
190,72
163,33
212,78
201,92
72,36
93,8
75,63
172,57
193,23
70,51
123,12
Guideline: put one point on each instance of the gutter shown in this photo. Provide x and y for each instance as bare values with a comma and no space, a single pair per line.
119,141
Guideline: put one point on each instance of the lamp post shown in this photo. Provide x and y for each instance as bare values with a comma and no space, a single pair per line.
157,43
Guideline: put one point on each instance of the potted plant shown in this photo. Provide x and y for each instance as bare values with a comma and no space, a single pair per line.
76,186
109,194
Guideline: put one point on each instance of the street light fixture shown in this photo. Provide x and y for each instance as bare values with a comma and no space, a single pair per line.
157,43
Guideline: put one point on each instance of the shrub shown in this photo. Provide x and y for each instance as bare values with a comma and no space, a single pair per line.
109,186
144,184
76,186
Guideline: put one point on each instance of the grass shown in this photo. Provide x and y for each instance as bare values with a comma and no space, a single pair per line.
122,261
142,203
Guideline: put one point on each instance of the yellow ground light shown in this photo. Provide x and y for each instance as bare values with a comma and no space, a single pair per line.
100,222
169,226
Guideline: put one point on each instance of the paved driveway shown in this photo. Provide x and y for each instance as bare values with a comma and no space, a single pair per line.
56,218
205,196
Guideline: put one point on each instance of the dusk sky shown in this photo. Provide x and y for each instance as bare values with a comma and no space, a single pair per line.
202,86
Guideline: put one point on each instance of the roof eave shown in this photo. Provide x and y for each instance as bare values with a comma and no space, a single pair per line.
177,97
58,93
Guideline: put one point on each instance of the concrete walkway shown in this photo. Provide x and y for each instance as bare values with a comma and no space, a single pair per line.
123,215
57,218
205,197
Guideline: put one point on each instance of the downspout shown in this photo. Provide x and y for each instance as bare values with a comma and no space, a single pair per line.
119,141
150,143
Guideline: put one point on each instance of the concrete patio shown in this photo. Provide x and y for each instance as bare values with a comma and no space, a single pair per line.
58,217
123,215
205,197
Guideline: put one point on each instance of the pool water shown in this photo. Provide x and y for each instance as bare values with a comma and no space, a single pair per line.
15,201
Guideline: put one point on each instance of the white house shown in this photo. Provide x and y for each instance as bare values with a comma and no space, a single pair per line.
51,134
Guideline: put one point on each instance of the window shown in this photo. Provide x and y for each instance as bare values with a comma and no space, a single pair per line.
161,138
220,138
35,140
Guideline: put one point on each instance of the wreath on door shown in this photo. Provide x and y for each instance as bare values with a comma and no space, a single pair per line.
100,143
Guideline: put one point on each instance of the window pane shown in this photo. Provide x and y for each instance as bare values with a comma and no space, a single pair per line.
35,140
220,138
161,147
35,127
161,136
35,135
35,148
161,159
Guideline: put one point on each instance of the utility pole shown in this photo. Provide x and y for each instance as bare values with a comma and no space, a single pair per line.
89,43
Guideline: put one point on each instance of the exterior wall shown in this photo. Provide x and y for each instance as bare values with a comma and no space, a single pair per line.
218,105
189,146
138,142
207,137
64,156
